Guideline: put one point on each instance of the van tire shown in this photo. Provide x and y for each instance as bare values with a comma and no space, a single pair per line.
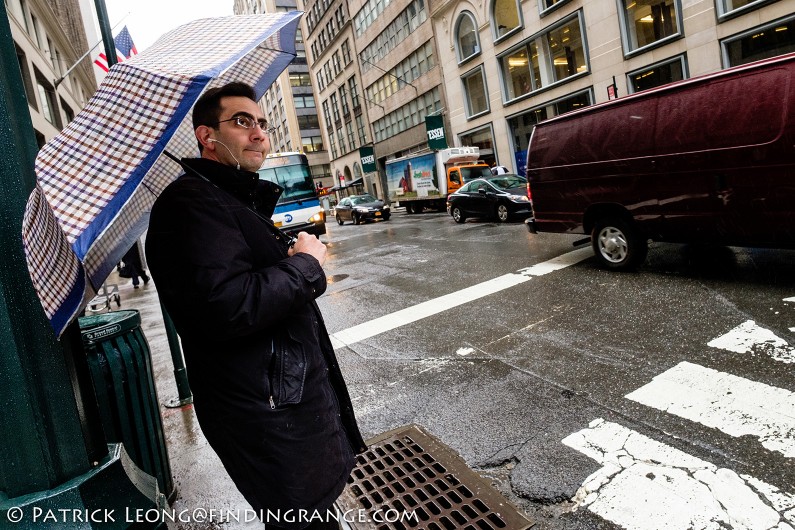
502,213
458,215
618,245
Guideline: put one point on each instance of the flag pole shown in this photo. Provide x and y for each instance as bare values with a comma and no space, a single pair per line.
107,34
77,62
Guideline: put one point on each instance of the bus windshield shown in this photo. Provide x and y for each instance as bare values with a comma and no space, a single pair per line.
291,172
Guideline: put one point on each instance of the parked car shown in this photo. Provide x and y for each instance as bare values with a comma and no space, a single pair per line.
360,208
500,196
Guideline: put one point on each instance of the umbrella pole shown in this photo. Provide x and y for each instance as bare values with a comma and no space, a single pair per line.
55,460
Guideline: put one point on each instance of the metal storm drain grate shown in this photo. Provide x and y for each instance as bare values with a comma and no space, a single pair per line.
410,480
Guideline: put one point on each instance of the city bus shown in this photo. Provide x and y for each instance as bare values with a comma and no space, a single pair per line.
298,209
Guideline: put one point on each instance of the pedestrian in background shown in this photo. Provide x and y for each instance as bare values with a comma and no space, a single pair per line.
268,392
133,268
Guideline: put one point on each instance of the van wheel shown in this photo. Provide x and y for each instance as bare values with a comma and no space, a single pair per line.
502,213
339,220
458,215
617,244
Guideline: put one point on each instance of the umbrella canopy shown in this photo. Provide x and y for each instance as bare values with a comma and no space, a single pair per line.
97,180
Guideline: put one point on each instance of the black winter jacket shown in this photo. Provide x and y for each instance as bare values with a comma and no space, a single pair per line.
268,392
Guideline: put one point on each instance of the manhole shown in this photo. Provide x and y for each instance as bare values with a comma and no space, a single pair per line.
410,480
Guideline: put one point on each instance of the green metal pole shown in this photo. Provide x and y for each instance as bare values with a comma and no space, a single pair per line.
107,33
52,452
41,442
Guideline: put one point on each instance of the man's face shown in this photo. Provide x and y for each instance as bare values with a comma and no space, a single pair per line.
234,144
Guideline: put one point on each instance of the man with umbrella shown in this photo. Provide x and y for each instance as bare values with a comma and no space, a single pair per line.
268,392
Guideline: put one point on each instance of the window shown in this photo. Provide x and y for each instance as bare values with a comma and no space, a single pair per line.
398,30
466,37
335,112
762,42
505,17
70,115
351,137
341,140
547,6
552,56
326,115
657,74
310,121
337,66
730,8
409,69
346,52
300,79
361,129
49,103
649,22
475,93
311,144
26,79
344,101
352,88
304,102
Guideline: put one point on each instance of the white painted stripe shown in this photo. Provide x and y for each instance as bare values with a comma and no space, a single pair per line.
790,299
417,312
647,485
748,337
734,405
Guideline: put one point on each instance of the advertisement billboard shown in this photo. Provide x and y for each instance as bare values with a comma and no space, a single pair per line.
412,177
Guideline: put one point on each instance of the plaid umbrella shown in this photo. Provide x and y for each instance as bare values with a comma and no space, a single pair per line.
97,180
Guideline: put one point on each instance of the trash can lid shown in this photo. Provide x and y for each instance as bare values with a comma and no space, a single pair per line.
95,328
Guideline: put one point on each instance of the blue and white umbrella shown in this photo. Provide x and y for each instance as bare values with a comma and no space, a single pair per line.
97,180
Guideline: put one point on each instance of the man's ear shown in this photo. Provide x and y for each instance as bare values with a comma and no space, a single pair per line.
203,135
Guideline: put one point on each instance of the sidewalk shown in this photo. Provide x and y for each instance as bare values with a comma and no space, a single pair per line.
205,494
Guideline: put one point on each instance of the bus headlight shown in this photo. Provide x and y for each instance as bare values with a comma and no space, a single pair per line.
319,217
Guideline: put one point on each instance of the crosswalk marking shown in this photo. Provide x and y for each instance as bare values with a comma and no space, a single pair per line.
417,312
748,337
735,405
647,485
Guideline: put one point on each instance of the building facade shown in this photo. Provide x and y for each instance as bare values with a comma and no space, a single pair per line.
377,76
511,63
49,37
289,104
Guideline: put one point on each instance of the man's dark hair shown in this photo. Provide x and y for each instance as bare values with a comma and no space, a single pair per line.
207,110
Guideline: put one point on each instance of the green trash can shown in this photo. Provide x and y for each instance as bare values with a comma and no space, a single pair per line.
121,371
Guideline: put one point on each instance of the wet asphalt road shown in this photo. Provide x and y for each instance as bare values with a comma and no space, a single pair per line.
505,378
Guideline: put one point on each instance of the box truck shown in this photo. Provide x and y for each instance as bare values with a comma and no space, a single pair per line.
705,160
424,180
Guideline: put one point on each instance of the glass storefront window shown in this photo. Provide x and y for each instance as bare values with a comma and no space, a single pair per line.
658,74
649,21
767,41
483,139
475,91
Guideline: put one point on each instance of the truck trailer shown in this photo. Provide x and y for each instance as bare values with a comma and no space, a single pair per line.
424,180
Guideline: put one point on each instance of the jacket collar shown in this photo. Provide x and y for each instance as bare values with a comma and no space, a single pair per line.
238,182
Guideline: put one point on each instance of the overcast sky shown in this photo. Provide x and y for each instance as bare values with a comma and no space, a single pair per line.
147,20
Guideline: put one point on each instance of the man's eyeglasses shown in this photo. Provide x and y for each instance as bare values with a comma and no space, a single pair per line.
247,122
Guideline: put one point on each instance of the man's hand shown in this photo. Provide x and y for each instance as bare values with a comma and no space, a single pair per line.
311,245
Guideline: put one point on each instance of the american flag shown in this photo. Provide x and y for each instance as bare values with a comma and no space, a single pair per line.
125,48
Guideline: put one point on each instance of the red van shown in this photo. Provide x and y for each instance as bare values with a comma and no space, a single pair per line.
708,159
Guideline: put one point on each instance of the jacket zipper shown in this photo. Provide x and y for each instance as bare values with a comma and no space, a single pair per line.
271,370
